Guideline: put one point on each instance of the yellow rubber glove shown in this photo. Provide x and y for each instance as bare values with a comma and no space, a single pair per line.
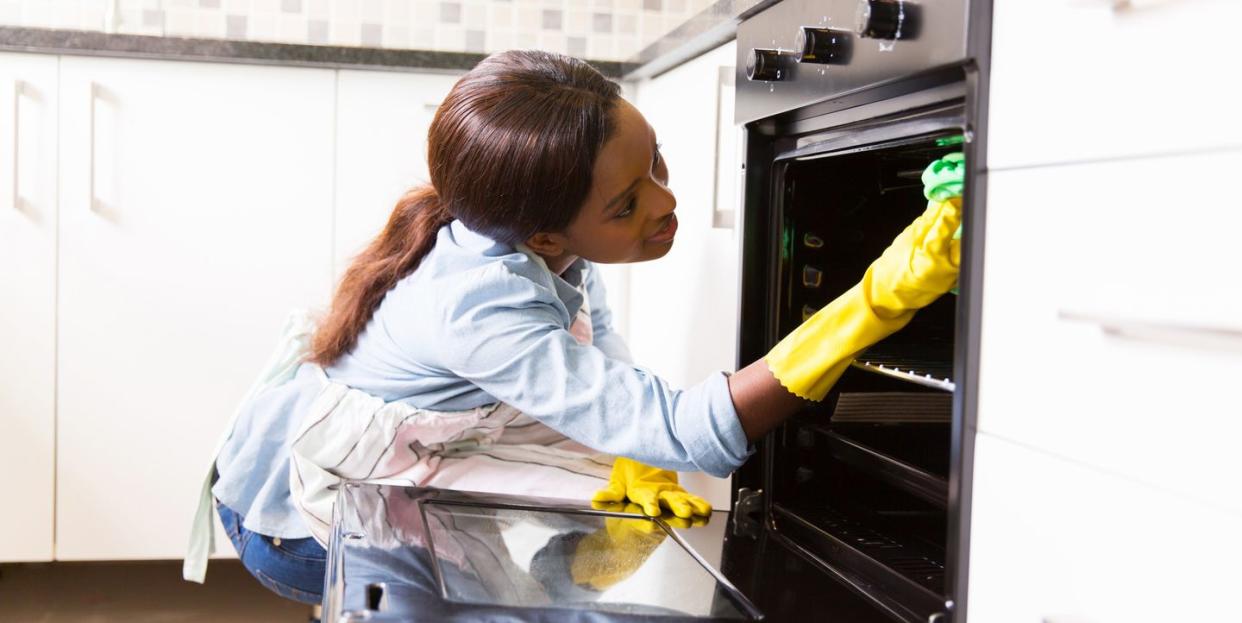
620,548
650,488
920,265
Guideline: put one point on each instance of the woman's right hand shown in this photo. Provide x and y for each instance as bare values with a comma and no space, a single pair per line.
920,265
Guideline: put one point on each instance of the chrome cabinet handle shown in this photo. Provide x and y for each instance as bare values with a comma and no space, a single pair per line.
18,88
1119,6
93,201
1158,331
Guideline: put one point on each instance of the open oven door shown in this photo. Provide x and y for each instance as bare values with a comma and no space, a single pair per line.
402,553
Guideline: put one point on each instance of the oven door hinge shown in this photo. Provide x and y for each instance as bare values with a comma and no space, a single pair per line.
942,617
748,513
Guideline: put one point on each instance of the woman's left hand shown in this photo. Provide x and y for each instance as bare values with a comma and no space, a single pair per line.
651,488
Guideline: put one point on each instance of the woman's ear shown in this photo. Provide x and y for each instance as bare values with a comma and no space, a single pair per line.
547,245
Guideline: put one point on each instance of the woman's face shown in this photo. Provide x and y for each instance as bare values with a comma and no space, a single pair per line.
628,214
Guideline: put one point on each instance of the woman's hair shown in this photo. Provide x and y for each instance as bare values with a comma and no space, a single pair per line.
510,152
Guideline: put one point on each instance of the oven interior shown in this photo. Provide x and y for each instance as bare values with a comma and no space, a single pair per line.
860,480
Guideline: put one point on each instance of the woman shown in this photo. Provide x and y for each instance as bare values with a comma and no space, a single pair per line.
470,347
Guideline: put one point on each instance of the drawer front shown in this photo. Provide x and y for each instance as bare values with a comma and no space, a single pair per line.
1156,405
1055,542
1079,80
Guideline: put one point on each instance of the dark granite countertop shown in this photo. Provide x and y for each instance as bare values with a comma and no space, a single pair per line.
16,39
705,31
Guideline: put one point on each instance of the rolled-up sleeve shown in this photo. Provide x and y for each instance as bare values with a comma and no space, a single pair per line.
510,340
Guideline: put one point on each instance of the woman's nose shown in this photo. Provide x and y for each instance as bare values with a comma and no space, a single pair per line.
663,202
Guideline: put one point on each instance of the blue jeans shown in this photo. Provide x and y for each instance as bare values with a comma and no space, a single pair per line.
291,568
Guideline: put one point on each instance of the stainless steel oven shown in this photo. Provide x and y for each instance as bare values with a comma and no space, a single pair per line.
844,103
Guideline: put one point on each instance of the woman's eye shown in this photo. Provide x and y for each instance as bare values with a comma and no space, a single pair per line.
658,167
628,209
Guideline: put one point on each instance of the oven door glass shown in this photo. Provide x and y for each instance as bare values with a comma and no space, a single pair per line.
409,553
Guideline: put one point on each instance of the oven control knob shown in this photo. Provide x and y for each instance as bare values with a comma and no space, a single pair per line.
765,64
883,19
822,45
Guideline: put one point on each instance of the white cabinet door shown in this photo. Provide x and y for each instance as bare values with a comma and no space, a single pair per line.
381,149
682,308
28,303
195,214
1147,250
1078,80
1054,541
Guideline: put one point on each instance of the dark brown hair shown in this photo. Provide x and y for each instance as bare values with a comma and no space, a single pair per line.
510,152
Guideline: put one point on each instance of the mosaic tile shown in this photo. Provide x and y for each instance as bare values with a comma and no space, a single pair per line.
372,35
552,19
602,23
317,32
597,29
235,26
450,12
576,46
476,41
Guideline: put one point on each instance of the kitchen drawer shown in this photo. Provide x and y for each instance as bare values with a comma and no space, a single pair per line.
1056,542
1079,80
1156,405
1147,239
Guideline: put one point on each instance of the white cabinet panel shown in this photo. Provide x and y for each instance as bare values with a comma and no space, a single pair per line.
1145,240
28,304
381,149
1080,80
1055,542
195,213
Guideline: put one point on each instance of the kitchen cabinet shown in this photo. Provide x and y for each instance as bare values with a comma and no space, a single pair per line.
1115,348
682,308
1054,540
196,212
381,149
169,215
28,104
1083,81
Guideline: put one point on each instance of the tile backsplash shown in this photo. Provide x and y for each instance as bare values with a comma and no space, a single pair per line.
594,29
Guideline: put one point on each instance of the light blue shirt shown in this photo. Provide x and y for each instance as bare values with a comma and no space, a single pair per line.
480,322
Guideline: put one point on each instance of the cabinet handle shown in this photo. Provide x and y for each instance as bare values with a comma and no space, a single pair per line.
93,202
18,87
1158,331
1119,6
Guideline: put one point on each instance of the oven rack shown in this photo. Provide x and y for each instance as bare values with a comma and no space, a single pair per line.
929,366
925,485
906,579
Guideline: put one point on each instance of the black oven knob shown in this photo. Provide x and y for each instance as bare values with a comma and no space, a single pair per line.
883,19
822,45
766,65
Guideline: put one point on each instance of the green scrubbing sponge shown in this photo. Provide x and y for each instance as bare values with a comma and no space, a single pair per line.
944,179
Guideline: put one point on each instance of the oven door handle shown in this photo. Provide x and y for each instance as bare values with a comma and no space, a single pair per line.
1216,337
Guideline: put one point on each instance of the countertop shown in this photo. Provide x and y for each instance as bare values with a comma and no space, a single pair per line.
710,28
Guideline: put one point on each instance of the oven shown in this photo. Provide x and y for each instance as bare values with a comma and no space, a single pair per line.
843,103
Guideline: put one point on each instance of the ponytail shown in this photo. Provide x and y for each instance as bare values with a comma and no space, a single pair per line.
406,239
